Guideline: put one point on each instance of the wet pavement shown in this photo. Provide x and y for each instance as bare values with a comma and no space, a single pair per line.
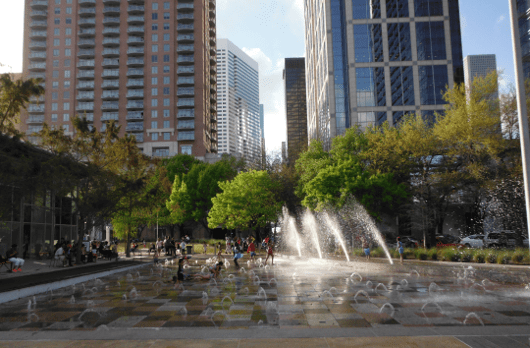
296,298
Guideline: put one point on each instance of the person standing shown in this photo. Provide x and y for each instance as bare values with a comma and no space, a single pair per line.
183,247
366,248
237,254
11,256
252,250
205,247
400,248
159,245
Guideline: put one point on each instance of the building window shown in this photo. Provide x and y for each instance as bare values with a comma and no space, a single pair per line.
67,52
166,48
399,44
430,38
56,21
166,15
68,10
56,63
56,53
167,135
154,103
56,31
166,58
54,117
55,73
154,113
66,128
166,113
154,70
55,84
154,6
68,31
166,90
154,136
55,95
368,43
57,2
154,58
154,16
166,68
154,48
428,8
166,101
166,37
66,95
57,10
370,86
364,9
154,80
433,81
154,37
68,20
67,84
66,106
166,26
397,8
67,62
185,149
154,91
166,5
56,42
68,1
154,27
166,124
154,124
68,42
402,86
55,107
166,80
66,117
67,74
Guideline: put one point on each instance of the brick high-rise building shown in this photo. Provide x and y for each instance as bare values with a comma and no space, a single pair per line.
150,65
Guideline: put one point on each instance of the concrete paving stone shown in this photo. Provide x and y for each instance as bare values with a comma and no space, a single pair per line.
396,342
352,315
126,321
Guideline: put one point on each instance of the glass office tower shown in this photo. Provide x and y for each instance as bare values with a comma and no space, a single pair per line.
523,12
371,61
295,106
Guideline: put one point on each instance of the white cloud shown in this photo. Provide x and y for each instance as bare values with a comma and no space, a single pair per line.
501,19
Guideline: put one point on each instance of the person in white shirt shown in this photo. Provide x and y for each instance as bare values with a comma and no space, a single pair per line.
59,254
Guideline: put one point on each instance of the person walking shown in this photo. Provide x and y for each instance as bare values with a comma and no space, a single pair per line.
270,253
252,250
159,245
399,247
237,255
16,262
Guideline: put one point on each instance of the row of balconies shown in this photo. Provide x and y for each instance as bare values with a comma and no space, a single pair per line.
182,38
185,17
35,75
135,61
182,27
111,20
136,29
110,84
186,113
135,40
189,124
38,14
37,44
135,127
38,34
107,116
183,81
38,24
185,48
35,119
135,72
86,63
86,22
186,103
135,20
135,116
185,59
111,41
39,4
136,9
135,104
86,43
86,32
37,67
135,82
185,70
186,92
185,7
110,31
37,55
35,108
111,9
87,12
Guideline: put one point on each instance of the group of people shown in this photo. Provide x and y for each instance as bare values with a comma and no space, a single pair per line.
169,246
399,248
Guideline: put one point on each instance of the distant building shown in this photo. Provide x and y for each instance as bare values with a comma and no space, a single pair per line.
295,106
284,151
478,66
239,108
371,61
262,120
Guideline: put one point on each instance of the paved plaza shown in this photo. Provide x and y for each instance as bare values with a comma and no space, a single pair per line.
324,301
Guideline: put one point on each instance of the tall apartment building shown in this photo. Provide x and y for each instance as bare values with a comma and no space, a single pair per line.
239,111
371,61
148,64
295,106
523,23
478,66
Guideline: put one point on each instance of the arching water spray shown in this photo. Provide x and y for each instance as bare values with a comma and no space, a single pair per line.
334,226
310,223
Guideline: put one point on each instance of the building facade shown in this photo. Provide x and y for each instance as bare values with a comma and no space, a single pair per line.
150,65
478,66
371,61
523,7
295,106
239,108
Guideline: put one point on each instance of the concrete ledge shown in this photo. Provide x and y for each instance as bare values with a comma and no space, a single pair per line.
38,289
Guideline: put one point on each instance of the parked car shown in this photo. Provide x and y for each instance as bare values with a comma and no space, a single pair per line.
409,242
492,239
473,241
447,240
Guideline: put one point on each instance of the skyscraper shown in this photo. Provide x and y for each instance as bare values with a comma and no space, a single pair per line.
295,106
524,25
371,61
239,111
262,120
150,65
478,66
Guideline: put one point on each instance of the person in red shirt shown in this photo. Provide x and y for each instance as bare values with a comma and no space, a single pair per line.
270,252
252,250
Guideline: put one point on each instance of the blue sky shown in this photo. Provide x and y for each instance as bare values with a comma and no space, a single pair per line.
272,30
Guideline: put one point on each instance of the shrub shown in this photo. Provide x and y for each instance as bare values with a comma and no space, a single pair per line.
421,254
518,256
467,255
479,256
377,252
503,257
450,254
491,256
432,254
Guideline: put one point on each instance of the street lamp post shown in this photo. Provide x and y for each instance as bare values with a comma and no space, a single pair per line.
521,105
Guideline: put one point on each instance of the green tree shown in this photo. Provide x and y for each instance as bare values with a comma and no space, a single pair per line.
247,202
14,95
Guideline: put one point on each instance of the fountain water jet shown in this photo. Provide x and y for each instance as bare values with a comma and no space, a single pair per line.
310,223
336,231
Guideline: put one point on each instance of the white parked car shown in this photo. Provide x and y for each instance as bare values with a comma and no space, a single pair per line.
473,241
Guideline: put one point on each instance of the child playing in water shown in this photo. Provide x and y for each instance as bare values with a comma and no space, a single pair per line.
270,252
252,250
214,273
155,258
400,248
366,248
205,246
